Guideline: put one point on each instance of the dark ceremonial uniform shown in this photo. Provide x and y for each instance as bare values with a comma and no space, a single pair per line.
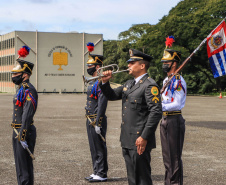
96,105
24,108
141,112
172,130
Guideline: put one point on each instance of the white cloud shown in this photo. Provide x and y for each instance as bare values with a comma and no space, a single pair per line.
40,1
67,15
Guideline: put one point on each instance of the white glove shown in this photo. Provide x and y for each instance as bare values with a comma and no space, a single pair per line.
97,129
24,144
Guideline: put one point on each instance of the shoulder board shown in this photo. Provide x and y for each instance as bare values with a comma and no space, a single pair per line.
151,80
25,85
177,76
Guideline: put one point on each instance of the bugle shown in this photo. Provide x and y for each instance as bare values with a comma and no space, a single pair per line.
114,69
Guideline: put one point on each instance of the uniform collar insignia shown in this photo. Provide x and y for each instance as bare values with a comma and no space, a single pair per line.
131,52
124,89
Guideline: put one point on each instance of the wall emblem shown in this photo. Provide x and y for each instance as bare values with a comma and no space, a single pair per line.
60,57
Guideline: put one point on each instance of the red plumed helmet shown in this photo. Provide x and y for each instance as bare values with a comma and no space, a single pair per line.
24,51
90,46
169,41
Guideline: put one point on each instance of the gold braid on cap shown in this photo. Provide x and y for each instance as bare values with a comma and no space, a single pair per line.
167,57
21,70
96,58
137,57
175,54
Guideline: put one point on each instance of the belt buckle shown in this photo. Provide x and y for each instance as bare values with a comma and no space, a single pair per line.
165,113
15,125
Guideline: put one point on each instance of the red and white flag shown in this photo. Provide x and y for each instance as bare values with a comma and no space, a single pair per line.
216,50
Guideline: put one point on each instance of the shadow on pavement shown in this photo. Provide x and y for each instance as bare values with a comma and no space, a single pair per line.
209,124
117,179
154,178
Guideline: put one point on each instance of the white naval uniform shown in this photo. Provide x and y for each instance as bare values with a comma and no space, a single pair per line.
179,97
172,131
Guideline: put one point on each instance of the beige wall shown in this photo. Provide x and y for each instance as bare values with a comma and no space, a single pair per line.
46,76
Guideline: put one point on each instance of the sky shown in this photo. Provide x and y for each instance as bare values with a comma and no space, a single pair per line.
107,17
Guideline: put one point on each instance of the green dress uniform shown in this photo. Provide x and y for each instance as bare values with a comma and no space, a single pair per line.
141,112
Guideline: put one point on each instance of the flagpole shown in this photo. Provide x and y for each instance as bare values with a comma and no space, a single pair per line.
203,42
187,59
216,26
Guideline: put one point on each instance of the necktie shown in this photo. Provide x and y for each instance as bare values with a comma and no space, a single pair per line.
133,83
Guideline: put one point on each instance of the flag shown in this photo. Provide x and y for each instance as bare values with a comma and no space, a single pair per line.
216,50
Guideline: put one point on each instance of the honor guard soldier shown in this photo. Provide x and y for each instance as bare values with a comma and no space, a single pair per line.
172,127
96,122
24,134
141,113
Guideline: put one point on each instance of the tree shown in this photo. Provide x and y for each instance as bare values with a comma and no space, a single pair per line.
189,22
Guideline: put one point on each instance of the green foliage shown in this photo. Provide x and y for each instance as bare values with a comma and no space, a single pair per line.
116,52
190,22
134,33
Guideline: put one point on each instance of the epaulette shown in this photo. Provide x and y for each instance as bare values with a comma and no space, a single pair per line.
151,80
177,76
25,85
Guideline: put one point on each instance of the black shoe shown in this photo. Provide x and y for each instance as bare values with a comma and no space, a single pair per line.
98,180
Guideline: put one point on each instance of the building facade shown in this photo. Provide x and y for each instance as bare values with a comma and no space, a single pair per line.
59,59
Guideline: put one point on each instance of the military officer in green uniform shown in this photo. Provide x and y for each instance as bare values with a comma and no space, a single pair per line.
96,122
24,107
141,112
